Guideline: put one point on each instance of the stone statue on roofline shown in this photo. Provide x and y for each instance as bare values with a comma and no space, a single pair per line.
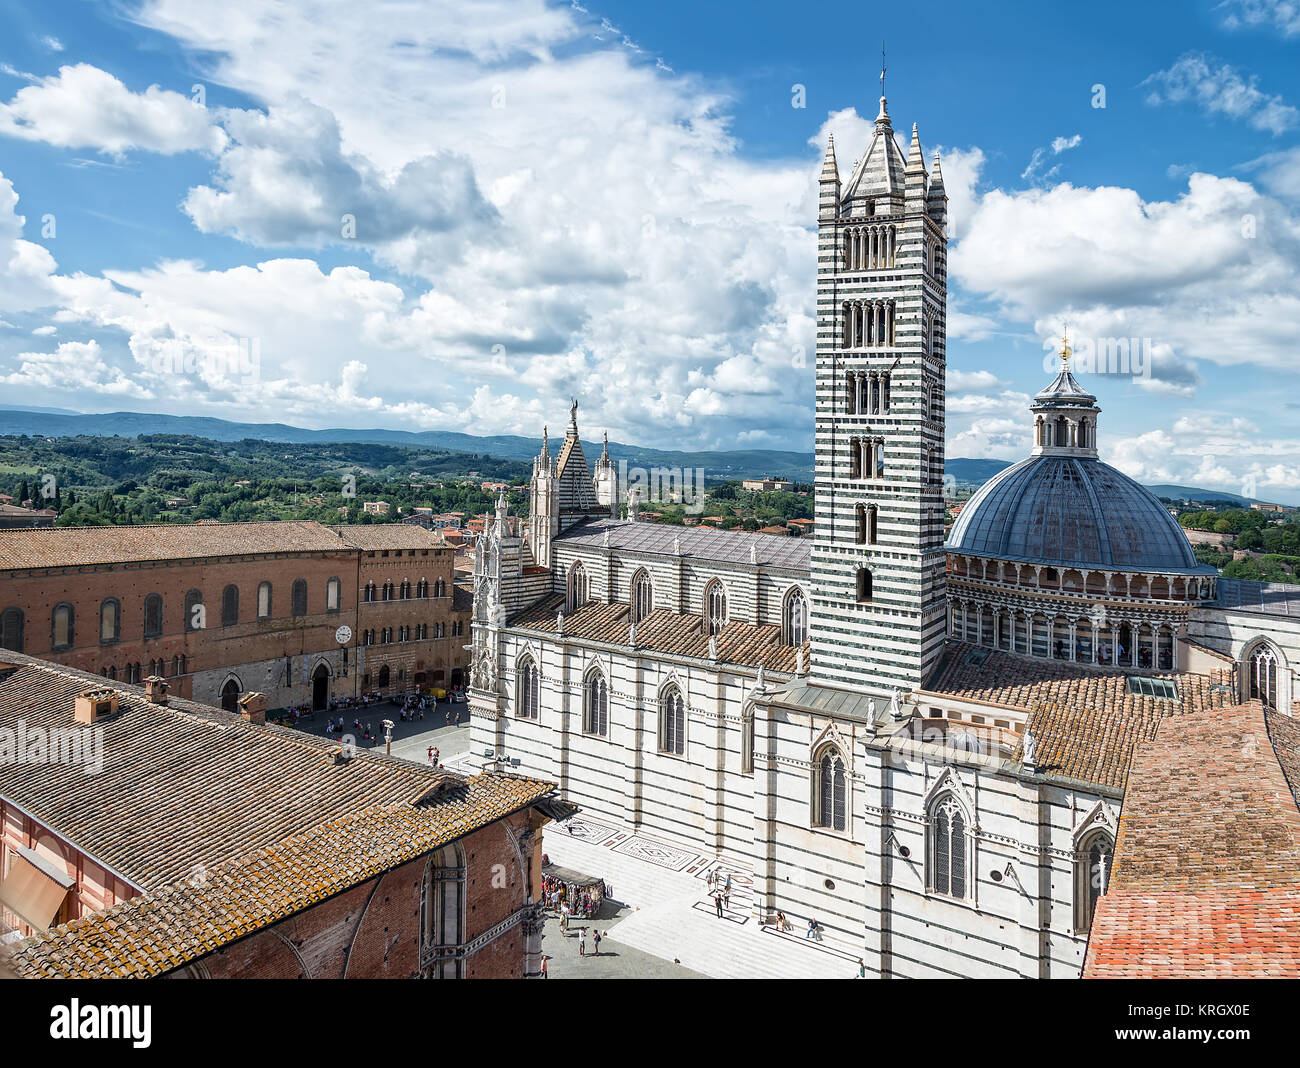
1031,750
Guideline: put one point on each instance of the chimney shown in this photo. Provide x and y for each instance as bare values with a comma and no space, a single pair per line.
93,705
155,690
252,706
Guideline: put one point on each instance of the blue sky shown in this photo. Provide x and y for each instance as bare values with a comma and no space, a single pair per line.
615,201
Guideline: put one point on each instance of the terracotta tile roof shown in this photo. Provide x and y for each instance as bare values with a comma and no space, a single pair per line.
1084,720
375,536
74,546
183,920
664,631
184,785
1206,881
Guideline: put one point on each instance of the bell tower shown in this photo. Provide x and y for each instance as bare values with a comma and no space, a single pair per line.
878,613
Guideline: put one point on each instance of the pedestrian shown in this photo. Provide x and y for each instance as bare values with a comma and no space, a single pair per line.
595,943
437,755
543,967
430,754
862,968
582,942
726,897
564,918
717,900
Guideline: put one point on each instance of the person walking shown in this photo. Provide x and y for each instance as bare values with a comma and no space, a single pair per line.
595,943
544,967
582,942
717,900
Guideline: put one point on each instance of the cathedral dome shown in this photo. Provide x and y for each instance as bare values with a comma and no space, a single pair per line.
1072,511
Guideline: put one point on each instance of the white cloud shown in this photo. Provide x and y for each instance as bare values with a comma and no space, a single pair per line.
974,381
26,269
1220,90
1282,15
75,365
85,107
1034,171
51,44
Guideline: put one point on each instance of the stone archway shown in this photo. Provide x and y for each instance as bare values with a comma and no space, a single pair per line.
320,688
230,695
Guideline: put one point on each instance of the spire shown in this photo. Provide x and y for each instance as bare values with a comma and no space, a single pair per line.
546,443
604,451
936,200
830,169
915,173
883,117
573,419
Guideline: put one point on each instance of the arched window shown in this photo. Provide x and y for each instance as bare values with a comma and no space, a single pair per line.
947,847
643,596
422,589
264,601
1262,674
388,591
298,598
153,615
1092,865
864,585
370,592
595,715
577,587
62,631
442,915
229,694
715,607
383,676
405,590
195,614
110,619
794,618
11,629
528,689
672,722
230,605
830,792
333,595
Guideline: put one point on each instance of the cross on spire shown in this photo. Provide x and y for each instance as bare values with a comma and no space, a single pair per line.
883,68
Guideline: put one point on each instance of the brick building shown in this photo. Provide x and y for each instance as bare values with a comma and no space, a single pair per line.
210,844
219,609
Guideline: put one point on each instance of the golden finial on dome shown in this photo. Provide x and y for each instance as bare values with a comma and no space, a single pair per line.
1065,346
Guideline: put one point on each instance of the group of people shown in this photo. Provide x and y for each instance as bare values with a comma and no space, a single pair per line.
719,889
571,899
364,730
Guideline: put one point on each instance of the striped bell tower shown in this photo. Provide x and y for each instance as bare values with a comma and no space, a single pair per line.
878,612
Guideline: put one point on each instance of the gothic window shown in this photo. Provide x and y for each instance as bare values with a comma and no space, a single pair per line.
643,596
855,458
333,595
388,590
422,589
384,676
884,392
298,598
864,585
672,722
948,847
110,620
794,618
528,689
442,915
264,601
1092,865
851,391
230,606
440,588
63,631
1263,676
11,629
194,613
577,588
715,607
596,711
878,458
830,791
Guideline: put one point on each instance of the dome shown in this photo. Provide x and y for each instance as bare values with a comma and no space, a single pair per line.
1072,511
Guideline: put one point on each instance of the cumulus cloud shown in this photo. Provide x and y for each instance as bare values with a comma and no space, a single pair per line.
75,365
26,268
1219,90
84,107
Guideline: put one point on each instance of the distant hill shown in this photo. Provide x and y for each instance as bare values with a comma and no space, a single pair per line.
969,472
751,463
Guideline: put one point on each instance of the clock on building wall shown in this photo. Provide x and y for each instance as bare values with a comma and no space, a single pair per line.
343,635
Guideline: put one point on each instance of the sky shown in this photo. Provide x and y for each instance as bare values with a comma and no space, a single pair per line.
423,215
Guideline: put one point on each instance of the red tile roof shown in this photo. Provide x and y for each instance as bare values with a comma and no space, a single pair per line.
1206,882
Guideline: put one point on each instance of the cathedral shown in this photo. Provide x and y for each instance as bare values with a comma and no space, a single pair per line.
921,744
